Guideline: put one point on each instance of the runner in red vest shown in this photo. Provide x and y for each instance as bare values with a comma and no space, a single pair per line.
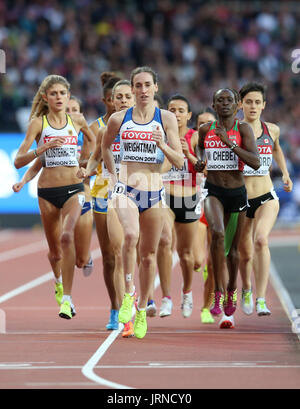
224,146
183,200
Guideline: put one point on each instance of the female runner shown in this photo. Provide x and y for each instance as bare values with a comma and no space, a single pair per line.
144,132
263,201
60,191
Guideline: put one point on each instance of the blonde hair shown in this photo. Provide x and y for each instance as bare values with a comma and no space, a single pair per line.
39,105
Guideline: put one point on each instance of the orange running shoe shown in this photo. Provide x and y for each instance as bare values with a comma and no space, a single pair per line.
128,330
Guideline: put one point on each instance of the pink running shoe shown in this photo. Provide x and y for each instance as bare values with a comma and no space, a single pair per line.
217,307
230,302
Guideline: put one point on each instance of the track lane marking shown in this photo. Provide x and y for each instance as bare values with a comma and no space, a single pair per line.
88,368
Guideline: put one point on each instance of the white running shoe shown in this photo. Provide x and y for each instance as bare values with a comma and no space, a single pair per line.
187,304
227,322
166,307
261,307
88,268
151,309
247,302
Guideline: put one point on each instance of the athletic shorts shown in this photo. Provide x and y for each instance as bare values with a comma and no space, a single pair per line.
59,195
187,209
141,198
85,208
255,203
99,205
233,200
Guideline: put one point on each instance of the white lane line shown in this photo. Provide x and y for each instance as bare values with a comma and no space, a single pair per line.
26,287
23,250
37,281
285,299
88,368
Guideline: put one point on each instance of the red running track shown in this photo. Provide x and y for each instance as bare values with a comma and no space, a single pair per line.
39,350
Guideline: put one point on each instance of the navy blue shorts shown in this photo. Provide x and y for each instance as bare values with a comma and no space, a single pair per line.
141,198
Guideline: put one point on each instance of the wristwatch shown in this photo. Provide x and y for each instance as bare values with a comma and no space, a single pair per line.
235,145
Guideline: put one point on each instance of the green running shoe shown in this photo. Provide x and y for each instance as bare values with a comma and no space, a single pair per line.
59,292
65,310
140,324
206,317
205,273
125,312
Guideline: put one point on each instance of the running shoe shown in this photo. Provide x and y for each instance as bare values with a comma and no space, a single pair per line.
125,312
217,307
151,309
227,322
128,330
59,292
166,307
113,320
88,268
73,311
206,317
65,310
230,302
261,307
140,324
205,273
247,302
186,304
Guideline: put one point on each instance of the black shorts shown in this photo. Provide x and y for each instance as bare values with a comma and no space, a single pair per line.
186,209
59,195
233,200
255,203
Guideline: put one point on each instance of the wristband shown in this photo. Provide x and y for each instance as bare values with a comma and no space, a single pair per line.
35,153
235,145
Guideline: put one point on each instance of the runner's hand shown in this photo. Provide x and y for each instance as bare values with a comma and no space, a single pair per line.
81,173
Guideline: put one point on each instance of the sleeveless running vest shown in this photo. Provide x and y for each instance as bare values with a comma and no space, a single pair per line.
115,148
265,145
187,174
136,144
100,186
219,156
65,155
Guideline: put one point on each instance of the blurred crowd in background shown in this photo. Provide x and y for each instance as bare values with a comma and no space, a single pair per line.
195,46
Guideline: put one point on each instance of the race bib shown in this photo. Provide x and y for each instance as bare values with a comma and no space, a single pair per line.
177,174
63,156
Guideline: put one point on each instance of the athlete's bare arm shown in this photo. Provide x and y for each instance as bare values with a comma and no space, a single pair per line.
24,157
279,157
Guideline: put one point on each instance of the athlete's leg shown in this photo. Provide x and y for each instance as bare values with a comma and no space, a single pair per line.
151,224
70,213
265,218
209,283
200,246
164,253
128,215
214,213
116,237
51,220
246,254
83,234
108,257
185,233
233,255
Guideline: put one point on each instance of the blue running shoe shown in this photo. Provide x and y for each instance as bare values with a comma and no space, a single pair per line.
113,320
